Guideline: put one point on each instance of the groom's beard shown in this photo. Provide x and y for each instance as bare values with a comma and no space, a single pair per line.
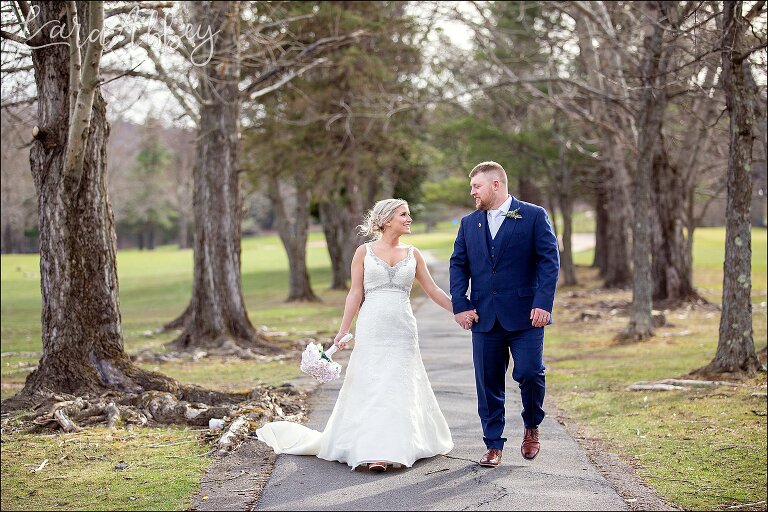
482,205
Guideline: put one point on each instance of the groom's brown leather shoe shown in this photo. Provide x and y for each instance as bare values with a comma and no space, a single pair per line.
530,447
492,458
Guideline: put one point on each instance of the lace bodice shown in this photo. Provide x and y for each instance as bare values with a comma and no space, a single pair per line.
380,275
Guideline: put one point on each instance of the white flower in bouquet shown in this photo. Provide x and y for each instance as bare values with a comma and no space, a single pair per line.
318,363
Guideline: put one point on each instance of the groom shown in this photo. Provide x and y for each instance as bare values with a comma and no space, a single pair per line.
508,250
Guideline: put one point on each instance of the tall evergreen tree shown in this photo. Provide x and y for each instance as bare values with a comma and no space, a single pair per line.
333,128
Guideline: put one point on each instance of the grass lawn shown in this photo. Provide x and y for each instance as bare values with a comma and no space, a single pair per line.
700,449
703,449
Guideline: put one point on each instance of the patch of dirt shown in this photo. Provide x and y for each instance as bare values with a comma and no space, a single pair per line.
620,474
236,481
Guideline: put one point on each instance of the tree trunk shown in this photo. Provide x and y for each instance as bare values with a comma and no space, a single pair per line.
564,189
150,236
294,230
528,191
81,333
618,273
672,259
736,347
183,241
552,201
604,72
340,214
566,256
217,314
652,105
759,204
330,218
601,228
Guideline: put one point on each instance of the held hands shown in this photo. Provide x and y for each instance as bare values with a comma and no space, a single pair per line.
340,343
539,317
466,318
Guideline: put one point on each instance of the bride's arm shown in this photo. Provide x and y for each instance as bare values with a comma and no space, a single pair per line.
433,291
354,297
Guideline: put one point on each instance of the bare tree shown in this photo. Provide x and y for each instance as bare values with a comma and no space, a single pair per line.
84,373
291,202
217,314
652,106
736,347
82,339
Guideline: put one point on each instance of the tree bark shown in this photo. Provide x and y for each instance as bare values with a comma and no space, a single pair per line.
672,257
601,228
618,273
183,241
652,105
331,219
736,347
340,213
564,188
293,229
217,313
81,331
604,72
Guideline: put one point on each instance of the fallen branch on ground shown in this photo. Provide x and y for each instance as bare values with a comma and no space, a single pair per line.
677,385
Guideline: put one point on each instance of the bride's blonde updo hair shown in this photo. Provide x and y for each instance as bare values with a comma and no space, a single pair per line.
381,213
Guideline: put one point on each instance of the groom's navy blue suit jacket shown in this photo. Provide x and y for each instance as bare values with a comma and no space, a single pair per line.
511,274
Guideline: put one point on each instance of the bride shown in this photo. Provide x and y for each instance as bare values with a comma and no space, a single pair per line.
386,412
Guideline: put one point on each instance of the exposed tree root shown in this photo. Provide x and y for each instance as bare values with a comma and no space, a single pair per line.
241,412
715,370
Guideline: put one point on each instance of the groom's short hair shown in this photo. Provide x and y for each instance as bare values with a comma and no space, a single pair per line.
492,168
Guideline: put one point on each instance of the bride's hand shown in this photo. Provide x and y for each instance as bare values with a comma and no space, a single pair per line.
337,340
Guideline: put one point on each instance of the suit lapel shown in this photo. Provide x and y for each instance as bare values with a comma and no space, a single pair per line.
508,226
480,226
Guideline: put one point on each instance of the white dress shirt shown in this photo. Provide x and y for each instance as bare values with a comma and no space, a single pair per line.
496,217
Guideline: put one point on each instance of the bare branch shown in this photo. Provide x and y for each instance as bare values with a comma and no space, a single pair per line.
326,44
179,90
755,11
17,103
287,78
128,8
80,120
12,37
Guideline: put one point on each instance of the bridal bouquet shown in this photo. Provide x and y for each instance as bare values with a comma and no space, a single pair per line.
317,362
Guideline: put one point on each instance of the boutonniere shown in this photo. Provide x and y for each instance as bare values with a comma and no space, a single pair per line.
513,214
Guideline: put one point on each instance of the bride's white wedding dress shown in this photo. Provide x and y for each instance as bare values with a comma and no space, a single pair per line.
386,409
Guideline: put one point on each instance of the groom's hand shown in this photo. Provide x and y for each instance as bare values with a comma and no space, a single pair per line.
539,317
466,318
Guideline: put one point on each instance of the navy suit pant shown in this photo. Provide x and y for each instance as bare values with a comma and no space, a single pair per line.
490,352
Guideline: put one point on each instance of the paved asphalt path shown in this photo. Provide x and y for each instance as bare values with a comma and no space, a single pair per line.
560,478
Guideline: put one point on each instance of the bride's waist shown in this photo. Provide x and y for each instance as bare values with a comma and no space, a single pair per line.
384,301
387,291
